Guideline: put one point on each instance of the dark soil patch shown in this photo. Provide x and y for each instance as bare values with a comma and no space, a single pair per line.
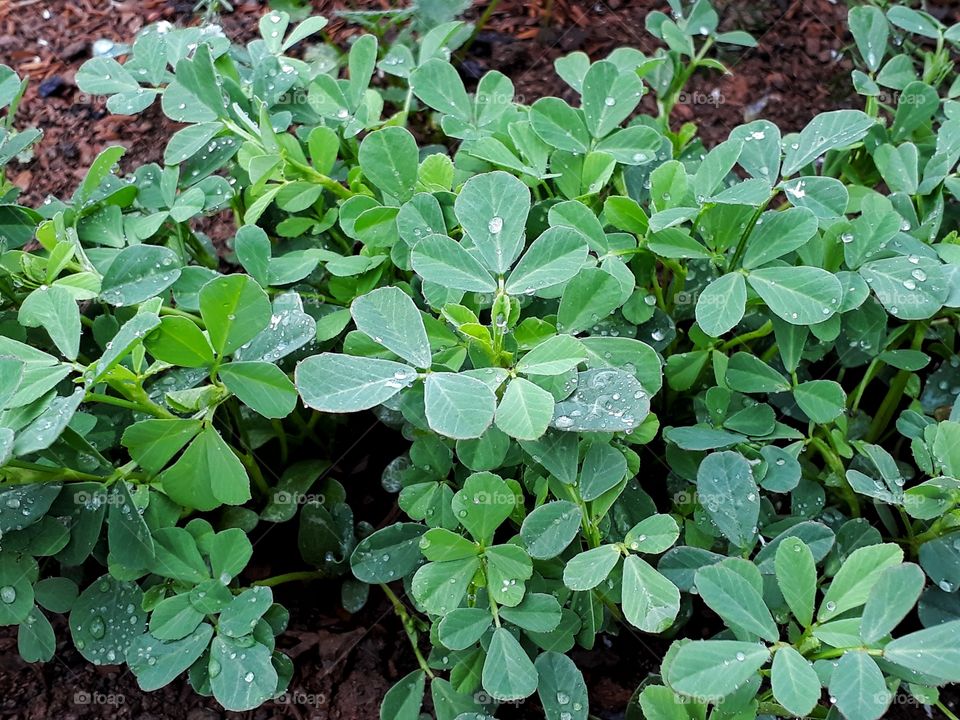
799,69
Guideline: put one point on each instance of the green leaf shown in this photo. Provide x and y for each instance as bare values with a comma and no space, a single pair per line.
156,663
389,158
554,356
858,687
174,618
721,304
15,582
457,405
207,475
653,535
799,295
462,628
604,466
229,672
438,84
54,309
128,536
549,529
179,341
36,641
235,309
483,504
106,619
559,125
606,400
778,233
749,374
588,569
444,261
650,601
525,411
508,567
693,670
796,573
391,318
241,615
105,76
537,612
891,598
177,556
609,97
153,443
933,651
795,683
822,400
910,288
261,386
826,131
138,273
826,197
899,167
253,250
439,587
553,258
492,209
188,141
229,553
590,296
332,382
508,673
561,688
49,425
861,570
730,496
441,545
387,554
740,604
916,105
403,700
870,31
127,338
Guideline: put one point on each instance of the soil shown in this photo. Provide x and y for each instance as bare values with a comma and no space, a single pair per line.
344,664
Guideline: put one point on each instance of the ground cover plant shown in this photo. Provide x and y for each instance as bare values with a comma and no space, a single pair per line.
648,387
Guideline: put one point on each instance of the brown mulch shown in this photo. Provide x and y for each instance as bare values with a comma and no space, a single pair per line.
800,68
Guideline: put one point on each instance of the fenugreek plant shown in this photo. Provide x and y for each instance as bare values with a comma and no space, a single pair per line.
647,388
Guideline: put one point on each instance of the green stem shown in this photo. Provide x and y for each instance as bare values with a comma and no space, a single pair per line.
149,407
867,378
177,312
835,465
302,575
742,242
943,708
743,339
34,472
328,182
666,107
409,627
894,395
480,24
839,652
282,439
